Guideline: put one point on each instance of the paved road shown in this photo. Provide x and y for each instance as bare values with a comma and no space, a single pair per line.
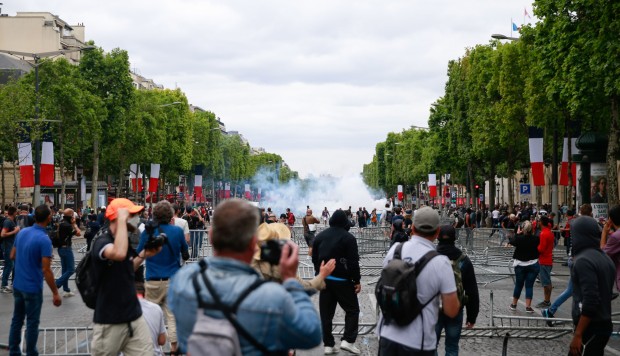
73,313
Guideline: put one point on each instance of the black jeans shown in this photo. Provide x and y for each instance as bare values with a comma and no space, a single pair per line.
595,338
391,348
343,294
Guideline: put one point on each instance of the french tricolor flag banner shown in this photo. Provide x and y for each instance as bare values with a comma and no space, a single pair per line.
432,185
154,178
564,167
198,185
227,190
400,193
536,156
47,164
248,193
136,178
26,169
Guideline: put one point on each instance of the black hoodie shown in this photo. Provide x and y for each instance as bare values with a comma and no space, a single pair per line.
336,242
468,276
593,275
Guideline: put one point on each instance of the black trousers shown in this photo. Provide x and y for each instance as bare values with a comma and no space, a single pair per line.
391,348
339,293
595,338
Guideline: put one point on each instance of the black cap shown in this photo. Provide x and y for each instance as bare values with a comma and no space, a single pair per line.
447,235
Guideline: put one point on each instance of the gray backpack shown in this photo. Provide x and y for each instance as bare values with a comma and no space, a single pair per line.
213,336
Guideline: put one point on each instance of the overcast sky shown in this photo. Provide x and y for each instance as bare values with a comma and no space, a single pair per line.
318,82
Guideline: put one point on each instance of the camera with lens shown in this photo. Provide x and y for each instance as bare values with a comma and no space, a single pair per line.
271,251
154,241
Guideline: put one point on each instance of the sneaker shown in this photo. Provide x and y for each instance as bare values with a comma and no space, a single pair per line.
6,290
331,350
513,307
547,314
68,294
529,310
345,345
543,304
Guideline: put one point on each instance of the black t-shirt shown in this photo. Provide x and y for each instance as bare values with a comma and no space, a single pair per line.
24,221
65,232
9,225
117,301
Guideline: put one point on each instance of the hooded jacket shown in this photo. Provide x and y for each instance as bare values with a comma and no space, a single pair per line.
336,242
468,275
593,273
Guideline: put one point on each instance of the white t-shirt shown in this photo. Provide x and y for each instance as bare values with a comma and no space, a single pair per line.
182,223
496,214
436,277
154,318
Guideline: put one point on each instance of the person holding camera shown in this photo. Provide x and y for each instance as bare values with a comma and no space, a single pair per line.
271,239
278,317
161,267
118,321
66,230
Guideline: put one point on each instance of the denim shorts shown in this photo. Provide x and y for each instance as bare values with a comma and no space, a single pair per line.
545,275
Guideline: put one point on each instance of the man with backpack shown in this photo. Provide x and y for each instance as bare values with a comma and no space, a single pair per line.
24,219
290,218
466,290
223,301
62,240
161,267
118,321
413,333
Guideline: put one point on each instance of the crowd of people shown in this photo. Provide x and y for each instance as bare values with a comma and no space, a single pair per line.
246,298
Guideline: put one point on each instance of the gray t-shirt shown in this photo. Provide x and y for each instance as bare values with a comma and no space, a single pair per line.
437,277
154,317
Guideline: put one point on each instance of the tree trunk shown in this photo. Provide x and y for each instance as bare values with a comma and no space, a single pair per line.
15,182
94,196
511,198
3,188
612,150
63,180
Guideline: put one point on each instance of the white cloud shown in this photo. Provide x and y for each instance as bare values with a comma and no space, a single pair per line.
318,82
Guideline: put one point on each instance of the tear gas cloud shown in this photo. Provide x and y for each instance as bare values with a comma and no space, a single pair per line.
317,192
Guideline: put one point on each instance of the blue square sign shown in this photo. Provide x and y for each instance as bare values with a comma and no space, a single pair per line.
524,189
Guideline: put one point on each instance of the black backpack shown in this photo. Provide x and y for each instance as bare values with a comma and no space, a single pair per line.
85,276
397,290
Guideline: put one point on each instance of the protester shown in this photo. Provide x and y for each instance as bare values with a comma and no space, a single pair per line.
593,278
309,222
161,267
325,216
154,318
436,279
118,321
32,254
398,233
180,222
92,228
611,243
295,325
66,230
196,225
525,264
453,326
343,284
9,230
545,260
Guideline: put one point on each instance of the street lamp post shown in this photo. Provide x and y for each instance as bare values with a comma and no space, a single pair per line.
36,198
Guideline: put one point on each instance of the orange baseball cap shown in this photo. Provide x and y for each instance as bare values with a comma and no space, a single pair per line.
111,212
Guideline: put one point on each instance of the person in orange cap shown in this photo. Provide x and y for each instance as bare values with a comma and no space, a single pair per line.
119,324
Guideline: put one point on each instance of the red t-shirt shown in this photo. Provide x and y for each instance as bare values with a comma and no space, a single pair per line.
545,247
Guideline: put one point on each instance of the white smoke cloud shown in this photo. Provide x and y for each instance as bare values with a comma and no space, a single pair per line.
316,192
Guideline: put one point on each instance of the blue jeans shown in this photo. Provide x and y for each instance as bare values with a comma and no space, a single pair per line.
453,328
195,241
7,246
26,305
568,292
525,275
67,262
